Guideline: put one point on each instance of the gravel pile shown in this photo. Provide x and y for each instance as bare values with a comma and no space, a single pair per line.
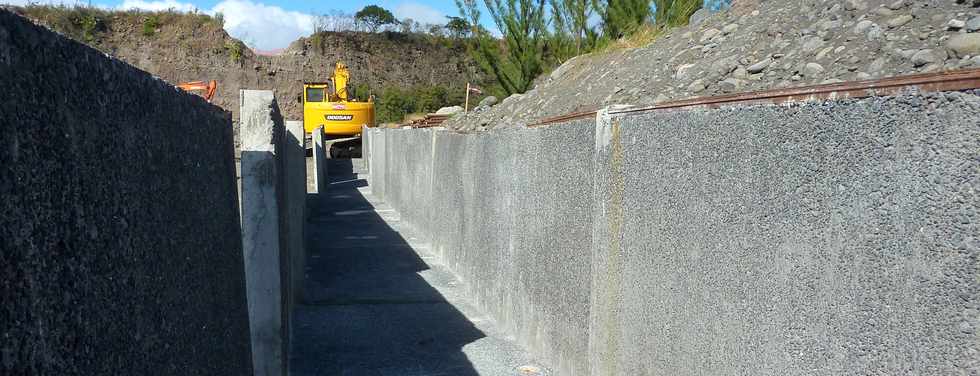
756,45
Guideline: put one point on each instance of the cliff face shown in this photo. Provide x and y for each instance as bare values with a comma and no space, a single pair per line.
180,47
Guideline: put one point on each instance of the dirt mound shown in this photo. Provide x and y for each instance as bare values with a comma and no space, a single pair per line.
180,47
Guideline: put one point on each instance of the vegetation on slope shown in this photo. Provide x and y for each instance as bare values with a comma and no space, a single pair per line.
539,35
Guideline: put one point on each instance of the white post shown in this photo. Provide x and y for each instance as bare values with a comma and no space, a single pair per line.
466,104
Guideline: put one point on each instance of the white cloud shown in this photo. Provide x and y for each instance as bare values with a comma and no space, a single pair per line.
157,5
419,13
263,26
46,2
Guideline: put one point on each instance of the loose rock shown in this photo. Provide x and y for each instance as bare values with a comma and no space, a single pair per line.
708,34
811,70
451,110
899,21
852,5
697,86
896,5
760,66
730,85
488,101
875,33
973,24
812,44
728,29
862,26
924,57
964,45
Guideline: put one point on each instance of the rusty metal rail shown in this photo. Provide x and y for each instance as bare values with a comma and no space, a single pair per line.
926,82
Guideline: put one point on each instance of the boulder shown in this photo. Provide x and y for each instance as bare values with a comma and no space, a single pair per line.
964,44
488,101
452,110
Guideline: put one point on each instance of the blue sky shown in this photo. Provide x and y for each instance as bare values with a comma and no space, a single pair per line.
272,24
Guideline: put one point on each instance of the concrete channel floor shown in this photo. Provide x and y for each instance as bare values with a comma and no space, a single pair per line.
376,303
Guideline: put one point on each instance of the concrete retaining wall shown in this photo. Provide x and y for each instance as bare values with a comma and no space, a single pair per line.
320,180
120,242
830,238
295,169
273,215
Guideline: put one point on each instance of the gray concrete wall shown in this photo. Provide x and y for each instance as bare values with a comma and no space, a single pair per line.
319,161
829,238
295,169
120,242
509,215
265,229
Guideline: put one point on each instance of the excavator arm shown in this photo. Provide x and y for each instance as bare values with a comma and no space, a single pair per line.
340,78
208,88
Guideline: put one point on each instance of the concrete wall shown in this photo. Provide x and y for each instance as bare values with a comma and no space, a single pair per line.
295,169
829,238
273,200
511,215
320,180
120,242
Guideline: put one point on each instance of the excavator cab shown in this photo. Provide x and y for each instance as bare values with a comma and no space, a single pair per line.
328,104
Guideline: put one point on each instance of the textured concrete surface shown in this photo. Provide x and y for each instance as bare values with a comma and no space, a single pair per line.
265,230
319,160
837,238
120,243
378,154
295,169
829,238
514,229
378,303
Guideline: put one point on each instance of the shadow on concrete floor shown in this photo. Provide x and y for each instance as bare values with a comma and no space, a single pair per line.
367,309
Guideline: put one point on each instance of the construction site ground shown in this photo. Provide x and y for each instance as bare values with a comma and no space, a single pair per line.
377,304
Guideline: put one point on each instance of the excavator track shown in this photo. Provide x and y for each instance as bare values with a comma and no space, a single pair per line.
338,148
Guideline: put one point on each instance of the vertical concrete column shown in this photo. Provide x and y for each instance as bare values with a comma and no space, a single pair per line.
366,149
379,169
605,331
295,155
320,161
261,132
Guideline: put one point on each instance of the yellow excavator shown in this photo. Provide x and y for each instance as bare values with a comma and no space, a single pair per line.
331,106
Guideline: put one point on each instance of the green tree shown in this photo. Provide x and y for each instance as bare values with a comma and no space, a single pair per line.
374,17
361,92
571,17
675,12
457,26
622,17
393,105
407,25
521,59
430,98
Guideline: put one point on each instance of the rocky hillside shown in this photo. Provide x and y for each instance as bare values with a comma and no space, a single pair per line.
179,47
757,45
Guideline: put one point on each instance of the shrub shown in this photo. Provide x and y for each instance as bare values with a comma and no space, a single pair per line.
235,50
150,25
91,22
393,105
219,19
316,41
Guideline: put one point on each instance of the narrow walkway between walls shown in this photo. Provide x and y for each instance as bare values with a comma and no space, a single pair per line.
376,303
